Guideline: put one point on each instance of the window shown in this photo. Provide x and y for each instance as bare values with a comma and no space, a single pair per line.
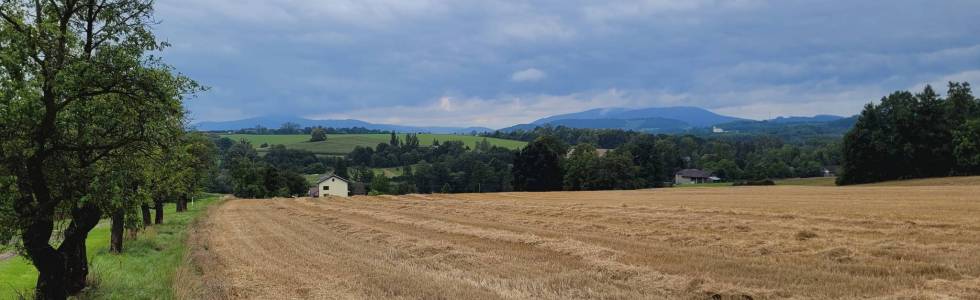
326,188
332,179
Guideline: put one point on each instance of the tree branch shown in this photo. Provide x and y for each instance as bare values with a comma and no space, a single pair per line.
12,22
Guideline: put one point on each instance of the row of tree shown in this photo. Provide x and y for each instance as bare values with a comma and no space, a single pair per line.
651,161
293,128
915,135
91,126
548,163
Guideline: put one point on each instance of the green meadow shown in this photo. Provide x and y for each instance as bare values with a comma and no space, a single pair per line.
341,144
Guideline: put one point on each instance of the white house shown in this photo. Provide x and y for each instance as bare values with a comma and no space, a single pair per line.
716,129
332,185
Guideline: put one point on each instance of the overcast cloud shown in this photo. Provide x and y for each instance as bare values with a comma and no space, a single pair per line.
497,63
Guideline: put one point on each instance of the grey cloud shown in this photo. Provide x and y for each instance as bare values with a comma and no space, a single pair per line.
347,57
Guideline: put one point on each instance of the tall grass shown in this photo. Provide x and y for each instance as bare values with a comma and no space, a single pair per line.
145,269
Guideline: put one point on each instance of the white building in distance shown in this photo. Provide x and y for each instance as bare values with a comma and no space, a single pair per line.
331,185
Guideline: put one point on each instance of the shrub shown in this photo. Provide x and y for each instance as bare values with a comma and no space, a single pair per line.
754,182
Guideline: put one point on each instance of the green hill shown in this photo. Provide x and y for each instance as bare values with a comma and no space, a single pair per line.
340,144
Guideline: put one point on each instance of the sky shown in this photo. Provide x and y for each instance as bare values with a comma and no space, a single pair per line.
500,63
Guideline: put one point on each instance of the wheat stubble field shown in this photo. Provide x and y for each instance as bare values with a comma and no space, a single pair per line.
884,242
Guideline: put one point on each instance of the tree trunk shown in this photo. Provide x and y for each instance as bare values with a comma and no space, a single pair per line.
49,263
147,220
182,203
116,231
73,247
158,207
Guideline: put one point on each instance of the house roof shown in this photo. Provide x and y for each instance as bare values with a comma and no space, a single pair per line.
328,176
693,173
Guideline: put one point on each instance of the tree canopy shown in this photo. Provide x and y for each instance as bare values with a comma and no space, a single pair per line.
914,135
81,97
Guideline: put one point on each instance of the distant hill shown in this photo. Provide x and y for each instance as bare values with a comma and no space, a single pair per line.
800,128
813,119
659,125
275,122
692,116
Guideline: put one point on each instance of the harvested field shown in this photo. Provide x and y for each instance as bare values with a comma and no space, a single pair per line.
719,243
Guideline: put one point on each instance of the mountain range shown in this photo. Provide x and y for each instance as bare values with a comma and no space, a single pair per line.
693,116
654,120
277,121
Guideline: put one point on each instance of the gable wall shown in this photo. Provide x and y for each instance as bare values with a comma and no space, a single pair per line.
336,186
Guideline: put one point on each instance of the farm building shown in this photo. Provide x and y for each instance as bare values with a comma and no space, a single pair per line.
331,185
693,176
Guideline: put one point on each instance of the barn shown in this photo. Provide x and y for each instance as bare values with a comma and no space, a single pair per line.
693,176
331,185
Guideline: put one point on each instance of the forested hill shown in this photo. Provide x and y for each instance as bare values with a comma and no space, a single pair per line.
790,131
793,130
693,116
691,120
268,122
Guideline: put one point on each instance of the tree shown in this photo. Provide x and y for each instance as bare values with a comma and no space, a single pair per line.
966,147
380,185
538,166
615,171
394,141
580,166
646,156
911,136
77,87
411,141
289,128
117,187
318,135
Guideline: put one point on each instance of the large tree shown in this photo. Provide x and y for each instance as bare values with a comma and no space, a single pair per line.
78,86
537,167
912,135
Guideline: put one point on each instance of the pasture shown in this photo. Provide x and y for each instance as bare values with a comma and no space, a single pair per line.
341,144
801,242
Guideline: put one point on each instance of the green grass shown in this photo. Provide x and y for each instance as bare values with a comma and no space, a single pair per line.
340,144
391,172
311,178
813,181
17,275
144,270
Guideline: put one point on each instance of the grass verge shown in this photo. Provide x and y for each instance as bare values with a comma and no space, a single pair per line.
145,269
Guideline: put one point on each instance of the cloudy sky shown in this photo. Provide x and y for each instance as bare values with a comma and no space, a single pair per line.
498,63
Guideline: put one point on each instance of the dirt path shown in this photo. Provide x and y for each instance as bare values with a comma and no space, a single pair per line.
738,243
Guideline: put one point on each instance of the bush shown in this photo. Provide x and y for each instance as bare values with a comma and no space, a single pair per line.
754,183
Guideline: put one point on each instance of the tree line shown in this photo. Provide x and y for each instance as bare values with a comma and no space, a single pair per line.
547,163
92,126
646,160
918,135
293,128
242,172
